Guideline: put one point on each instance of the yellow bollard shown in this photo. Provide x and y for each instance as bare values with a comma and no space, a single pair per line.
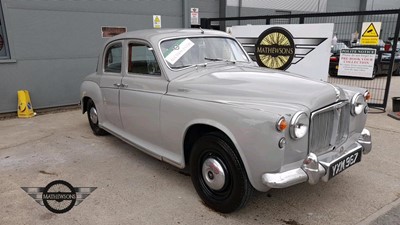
25,109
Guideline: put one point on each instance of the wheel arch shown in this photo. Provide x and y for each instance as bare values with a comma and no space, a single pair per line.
90,90
201,127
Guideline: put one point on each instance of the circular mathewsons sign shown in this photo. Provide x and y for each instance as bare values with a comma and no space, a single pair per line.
275,48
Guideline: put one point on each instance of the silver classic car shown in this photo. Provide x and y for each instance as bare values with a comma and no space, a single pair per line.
194,99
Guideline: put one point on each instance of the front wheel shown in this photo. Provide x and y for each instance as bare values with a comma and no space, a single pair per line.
333,72
93,118
218,174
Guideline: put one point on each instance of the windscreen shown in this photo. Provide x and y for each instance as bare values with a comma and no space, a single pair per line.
184,52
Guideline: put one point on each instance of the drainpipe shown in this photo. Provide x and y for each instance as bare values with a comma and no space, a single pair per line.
240,9
222,13
185,14
362,7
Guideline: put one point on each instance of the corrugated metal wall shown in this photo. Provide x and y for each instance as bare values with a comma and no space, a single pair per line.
56,43
286,5
207,8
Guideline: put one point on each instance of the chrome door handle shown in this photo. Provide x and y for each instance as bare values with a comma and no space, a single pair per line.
120,85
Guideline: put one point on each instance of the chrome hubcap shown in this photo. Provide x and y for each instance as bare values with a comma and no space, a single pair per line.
213,174
93,115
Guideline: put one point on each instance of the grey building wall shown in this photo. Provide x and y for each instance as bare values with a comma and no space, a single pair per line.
342,5
55,44
344,26
207,8
233,11
286,5
380,4
237,8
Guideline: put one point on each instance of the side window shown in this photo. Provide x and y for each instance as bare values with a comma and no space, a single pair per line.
4,51
112,59
142,60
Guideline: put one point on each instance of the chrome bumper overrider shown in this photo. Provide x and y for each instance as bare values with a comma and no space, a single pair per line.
365,141
312,169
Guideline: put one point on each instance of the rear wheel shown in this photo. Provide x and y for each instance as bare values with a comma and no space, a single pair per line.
94,118
218,174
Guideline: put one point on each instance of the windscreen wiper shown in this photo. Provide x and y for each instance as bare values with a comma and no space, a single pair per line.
189,66
213,59
218,60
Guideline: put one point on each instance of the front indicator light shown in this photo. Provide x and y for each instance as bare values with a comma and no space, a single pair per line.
281,124
367,95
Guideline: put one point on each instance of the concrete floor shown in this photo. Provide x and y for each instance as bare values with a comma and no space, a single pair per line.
134,188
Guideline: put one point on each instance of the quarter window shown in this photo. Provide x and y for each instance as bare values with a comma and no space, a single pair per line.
4,51
112,59
142,60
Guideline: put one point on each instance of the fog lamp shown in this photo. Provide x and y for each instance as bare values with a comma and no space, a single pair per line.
282,142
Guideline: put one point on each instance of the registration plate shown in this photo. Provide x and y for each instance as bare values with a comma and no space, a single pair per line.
344,163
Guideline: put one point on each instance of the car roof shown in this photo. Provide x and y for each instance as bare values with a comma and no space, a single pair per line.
159,34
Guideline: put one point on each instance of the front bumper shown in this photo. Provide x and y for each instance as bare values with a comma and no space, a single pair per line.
312,169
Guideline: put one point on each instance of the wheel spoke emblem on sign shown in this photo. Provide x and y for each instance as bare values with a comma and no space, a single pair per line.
275,48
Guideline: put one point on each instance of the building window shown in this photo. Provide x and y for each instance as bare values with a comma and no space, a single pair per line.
4,50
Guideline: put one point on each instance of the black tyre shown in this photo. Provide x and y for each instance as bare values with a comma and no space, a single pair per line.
218,175
93,118
333,72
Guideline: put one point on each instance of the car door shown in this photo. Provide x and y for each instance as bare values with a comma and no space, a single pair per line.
142,88
110,82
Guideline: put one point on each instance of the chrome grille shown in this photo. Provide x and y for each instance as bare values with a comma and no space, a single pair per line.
329,128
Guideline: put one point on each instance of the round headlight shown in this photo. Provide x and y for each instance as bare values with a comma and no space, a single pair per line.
299,125
357,104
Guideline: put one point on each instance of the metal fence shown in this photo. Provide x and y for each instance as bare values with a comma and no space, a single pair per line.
346,23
